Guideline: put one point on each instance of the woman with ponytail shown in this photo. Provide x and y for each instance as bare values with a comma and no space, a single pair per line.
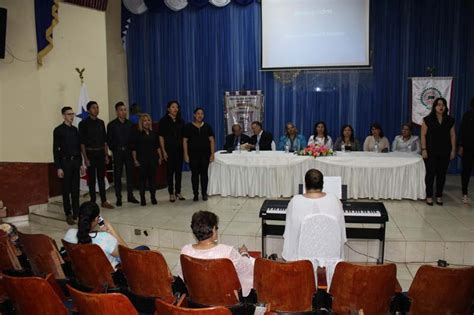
90,229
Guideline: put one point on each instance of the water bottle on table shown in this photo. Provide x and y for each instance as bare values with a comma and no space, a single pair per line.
257,148
376,147
237,148
287,148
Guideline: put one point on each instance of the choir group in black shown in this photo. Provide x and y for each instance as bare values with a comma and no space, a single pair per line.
140,146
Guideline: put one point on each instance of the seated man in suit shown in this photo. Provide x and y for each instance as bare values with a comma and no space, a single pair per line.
235,137
263,138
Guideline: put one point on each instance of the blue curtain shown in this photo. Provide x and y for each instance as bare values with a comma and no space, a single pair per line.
195,55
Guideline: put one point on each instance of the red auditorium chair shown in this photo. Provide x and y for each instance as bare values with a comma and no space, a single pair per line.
101,303
437,290
356,287
90,265
286,286
164,308
211,281
33,295
43,255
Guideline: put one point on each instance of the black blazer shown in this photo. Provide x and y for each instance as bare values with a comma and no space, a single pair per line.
265,143
230,139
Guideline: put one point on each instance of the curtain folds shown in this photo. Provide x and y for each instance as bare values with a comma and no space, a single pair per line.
194,56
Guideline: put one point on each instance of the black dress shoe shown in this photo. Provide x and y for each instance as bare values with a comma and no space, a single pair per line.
196,198
172,198
439,201
429,203
118,203
70,220
132,199
204,197
142,201
153,201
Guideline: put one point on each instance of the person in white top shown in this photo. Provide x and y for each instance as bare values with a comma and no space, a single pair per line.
312,202
376,142
91,231
406,142
204,225
320,135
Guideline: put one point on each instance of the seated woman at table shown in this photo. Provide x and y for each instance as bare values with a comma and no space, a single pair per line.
376,142
406,142
204,225
292,139
347,140
312,202
320,135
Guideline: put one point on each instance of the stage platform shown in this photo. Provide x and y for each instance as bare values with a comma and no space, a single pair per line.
416,233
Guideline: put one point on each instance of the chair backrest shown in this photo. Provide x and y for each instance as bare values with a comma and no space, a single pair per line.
210,281
146,272
437,290
32,295
287,286
320,242
101,303
43,254
8,258
90,265
356,287
164,308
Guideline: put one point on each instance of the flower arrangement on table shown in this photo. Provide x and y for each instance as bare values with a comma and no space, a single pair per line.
316,150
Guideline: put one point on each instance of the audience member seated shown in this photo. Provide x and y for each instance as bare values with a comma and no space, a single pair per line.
376,142
204,225
347,140
235,137
292,140
263,138
93,229
320,135
312,202
406,142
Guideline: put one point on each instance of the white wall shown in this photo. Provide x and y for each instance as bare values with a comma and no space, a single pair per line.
31,97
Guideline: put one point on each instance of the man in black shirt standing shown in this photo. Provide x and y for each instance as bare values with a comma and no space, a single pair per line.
68,162
95,151
119,133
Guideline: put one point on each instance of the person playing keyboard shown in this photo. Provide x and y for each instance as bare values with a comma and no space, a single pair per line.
312,202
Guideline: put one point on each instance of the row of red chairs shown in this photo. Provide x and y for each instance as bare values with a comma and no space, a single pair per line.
284,286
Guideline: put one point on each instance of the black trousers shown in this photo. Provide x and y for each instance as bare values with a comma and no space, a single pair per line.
70,185
147,175
174,169
199,164
436,166
467,159
96,171
123,158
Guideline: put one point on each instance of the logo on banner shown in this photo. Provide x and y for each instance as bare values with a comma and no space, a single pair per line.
428,96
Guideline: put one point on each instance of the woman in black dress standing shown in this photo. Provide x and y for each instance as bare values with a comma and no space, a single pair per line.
198,145
438,147
146,156
171,143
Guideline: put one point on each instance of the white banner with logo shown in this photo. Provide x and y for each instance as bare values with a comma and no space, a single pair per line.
424,91
243,107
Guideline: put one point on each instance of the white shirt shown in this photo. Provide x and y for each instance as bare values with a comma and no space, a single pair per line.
300,207
106,241
243,265
401,145
320,141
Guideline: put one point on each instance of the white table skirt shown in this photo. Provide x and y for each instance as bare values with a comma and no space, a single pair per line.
274,174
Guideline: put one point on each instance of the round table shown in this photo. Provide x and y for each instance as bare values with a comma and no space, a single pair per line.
393,175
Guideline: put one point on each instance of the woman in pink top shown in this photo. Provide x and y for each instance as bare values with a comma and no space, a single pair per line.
205,225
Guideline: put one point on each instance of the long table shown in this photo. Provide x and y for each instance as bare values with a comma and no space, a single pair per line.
271,174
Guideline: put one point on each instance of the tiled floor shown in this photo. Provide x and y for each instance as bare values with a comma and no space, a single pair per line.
416,233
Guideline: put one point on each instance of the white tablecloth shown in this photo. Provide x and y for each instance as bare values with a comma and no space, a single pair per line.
274,173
